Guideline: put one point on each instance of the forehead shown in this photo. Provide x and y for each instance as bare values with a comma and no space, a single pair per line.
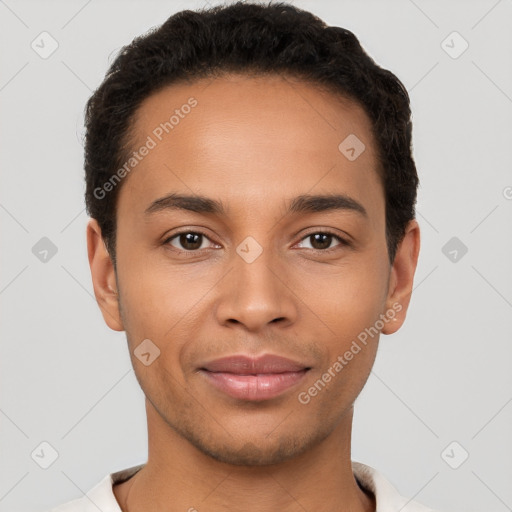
252,140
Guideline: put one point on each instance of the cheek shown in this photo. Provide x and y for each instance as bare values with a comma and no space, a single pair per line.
168,306
159,307
348,304
347,297
348,338
157,296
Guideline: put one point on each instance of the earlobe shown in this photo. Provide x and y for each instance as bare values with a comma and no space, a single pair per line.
103,277
401,277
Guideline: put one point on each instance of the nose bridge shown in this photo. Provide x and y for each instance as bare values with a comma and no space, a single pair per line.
254,294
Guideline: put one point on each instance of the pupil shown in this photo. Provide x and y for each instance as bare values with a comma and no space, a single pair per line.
323,244
191,240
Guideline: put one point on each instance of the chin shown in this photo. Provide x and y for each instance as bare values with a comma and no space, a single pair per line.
250,455
254,451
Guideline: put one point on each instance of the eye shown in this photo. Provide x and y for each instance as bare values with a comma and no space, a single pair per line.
321,240
188,240
191,241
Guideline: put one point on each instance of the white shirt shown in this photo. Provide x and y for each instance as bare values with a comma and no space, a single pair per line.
101,496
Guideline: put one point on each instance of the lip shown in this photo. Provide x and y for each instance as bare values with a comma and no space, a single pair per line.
254,378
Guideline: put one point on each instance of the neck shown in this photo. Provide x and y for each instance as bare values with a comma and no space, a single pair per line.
179,477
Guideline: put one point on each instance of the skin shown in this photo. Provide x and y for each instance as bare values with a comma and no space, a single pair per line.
253,143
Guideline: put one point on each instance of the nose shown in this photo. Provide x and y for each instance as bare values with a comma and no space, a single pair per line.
257,294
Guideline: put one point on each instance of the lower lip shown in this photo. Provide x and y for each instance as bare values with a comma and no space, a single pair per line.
254,387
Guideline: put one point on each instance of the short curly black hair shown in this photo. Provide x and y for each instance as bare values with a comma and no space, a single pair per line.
250,38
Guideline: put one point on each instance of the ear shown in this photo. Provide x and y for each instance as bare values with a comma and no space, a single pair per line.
103,277
402,276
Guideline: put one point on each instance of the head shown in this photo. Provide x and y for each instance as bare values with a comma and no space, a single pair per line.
251,187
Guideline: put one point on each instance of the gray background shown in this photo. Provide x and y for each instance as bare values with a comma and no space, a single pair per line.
445,376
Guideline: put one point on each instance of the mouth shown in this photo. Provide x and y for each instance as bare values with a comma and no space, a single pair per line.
254,379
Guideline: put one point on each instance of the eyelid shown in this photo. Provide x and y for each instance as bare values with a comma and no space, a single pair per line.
343,241
196,231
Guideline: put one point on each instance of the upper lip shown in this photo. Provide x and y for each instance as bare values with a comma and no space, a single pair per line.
248,365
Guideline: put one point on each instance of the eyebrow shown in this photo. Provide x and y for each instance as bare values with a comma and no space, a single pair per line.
305,203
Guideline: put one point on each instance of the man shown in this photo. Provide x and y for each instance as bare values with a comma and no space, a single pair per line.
251,191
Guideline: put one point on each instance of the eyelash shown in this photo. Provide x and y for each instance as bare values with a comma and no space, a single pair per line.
342,242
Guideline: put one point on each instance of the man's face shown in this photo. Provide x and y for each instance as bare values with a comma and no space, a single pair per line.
253,145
